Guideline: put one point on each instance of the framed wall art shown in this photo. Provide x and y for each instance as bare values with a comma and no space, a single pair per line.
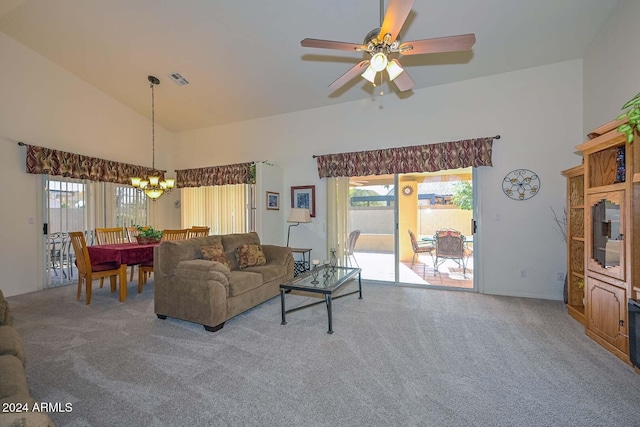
304,197
273,201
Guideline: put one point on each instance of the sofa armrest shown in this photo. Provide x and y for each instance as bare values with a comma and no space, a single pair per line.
5,311
276,254
203,270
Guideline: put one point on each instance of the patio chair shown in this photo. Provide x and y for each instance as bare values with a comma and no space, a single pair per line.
351,245
419,248
450,244
86,271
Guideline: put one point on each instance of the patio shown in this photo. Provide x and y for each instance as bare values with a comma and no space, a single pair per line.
380,266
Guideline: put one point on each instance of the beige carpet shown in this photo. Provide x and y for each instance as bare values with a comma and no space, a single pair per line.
398,357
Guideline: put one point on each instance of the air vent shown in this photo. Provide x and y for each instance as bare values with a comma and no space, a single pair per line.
177,77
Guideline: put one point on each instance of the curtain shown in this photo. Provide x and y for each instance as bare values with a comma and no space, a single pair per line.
41,160
224,208
417,158
240,173
338,217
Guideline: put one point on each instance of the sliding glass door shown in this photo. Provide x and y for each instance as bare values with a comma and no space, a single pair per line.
372,213
79,205
399,219
435,236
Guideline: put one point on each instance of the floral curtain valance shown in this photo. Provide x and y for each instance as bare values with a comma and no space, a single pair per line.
417,158
41,160
239,173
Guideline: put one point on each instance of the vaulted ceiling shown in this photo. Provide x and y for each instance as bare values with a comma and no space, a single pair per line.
243,59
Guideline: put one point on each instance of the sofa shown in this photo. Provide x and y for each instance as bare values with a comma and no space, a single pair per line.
16,403
208,280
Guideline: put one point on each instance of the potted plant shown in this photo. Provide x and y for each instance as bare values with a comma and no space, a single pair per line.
633,116
147,235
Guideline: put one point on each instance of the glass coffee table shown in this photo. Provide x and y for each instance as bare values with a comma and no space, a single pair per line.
328,282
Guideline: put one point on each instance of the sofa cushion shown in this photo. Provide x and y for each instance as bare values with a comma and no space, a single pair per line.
269,272
215,253
243,281
11,343
232,241
250,256
14,379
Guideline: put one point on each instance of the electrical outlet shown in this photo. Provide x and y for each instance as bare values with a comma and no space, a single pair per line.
523,273
560,277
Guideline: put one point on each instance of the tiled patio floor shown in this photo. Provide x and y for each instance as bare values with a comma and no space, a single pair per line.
380,266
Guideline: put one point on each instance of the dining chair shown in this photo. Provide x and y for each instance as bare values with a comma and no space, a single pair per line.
174,234
86,271
419,249
450,244
111,236
132,232
351,245
197,231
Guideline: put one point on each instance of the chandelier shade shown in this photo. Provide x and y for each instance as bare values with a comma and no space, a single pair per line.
154,184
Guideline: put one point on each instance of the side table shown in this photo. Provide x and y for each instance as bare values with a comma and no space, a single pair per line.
301,265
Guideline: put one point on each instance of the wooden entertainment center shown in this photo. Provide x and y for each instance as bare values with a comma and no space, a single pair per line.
603,236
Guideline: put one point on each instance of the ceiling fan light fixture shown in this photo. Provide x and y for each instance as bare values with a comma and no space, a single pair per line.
370,74
379,61
394,70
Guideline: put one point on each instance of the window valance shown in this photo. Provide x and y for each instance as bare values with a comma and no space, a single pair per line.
239,173
418,158
42,160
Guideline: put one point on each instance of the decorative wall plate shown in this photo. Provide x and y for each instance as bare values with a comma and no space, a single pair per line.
521,184
407,190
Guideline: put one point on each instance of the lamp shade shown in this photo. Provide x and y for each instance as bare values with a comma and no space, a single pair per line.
394,69
299,215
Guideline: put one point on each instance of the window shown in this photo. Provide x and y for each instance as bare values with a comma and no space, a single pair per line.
223,208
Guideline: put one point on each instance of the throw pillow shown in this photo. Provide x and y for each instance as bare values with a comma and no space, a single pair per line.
215,253
250,256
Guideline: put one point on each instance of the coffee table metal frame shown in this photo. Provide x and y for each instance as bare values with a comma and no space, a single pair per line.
304,283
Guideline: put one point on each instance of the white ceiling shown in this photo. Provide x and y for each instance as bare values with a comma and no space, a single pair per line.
243,59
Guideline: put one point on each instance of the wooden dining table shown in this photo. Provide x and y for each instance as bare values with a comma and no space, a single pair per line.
123,255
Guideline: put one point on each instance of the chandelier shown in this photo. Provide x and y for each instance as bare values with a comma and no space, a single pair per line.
152,185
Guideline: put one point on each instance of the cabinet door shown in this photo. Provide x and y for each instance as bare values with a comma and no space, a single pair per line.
606,312
606,234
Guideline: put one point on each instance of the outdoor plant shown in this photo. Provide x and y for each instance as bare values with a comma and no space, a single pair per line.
633,116
149,232
462,195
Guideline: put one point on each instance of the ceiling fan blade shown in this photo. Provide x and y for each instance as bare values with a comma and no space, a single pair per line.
329,44
394,18
403,81
438,45
354,71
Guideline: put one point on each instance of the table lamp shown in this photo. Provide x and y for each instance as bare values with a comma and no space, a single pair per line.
297,215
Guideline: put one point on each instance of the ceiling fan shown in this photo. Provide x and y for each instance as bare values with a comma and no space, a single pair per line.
382,42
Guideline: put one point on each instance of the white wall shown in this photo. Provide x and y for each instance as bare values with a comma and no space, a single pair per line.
270,223
611,67
42,104
537,112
